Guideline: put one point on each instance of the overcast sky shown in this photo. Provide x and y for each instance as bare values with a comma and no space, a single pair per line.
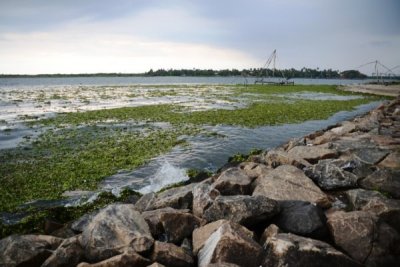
86,36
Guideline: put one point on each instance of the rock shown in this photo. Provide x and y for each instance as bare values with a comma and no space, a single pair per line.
329,175
384,180
362,148
114,229
312,153
270,231
370,122
80,224
327,137
351,163
247,210
127,259
203,196
175,224
386,209
275,158
289,183
292,250
145,202
233,181
302,218
222,264
177,198
345,128
358,198
363,237
68,254
171,255
27,250
391,161
253,170
295,142
230,243
156,264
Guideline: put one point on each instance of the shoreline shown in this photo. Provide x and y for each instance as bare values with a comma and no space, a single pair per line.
330,189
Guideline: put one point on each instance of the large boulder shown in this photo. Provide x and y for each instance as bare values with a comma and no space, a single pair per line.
27,250
374,202
178,198
248,210
287,182
176,225
234,181
171,255
384,180
145,202
253,169
364,237
292,250
68,254
302,218
203,196
277,157
312,153
229,243
331,175
392,160
127,259
362,148
114,229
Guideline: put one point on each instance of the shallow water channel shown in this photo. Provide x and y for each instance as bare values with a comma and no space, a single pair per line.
212,152
208,150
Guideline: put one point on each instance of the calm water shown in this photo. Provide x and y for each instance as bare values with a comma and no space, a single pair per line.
204,152
17,82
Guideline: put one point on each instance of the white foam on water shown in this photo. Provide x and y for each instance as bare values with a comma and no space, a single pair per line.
167,174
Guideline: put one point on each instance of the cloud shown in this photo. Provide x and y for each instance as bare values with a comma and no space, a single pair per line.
335,34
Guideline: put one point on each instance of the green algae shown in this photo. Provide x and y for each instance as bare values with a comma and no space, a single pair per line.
77,154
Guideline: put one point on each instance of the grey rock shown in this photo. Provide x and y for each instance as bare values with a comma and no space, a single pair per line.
176,225
312,153
253,169
145,202
362,148
171,255
386,209
364,237
247,210
233,181
80,224
127,259
177,198
68,254
203,197
27,250
384,180
275,158
287,182
113,230
231,243
302,218
331,175
292,250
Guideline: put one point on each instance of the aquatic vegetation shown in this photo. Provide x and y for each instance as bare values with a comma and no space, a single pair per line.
81,148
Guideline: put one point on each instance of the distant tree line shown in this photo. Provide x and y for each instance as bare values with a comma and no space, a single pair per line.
253,72
256,72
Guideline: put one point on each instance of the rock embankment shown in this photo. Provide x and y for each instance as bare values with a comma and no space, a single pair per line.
331,198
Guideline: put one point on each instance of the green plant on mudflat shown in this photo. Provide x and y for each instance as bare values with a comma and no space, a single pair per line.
55,164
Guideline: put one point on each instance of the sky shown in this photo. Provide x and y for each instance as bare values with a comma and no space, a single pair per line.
134,36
